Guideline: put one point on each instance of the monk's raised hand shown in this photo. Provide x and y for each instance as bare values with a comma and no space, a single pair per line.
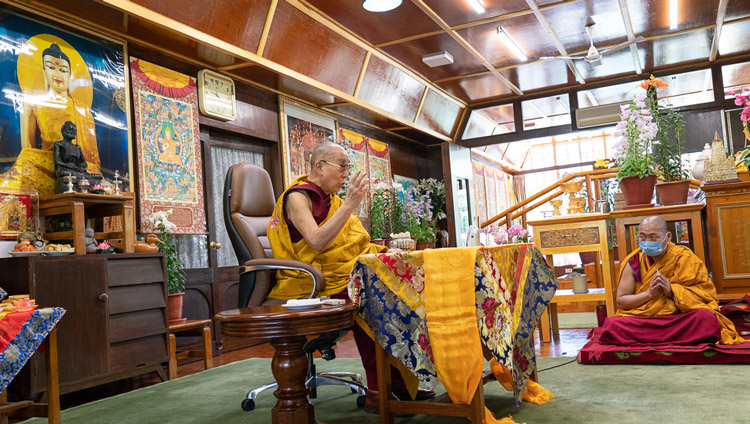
358,187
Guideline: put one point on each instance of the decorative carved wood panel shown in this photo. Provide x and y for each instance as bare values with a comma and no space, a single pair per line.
571,237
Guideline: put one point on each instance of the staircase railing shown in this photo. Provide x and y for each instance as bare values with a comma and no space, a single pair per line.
593,193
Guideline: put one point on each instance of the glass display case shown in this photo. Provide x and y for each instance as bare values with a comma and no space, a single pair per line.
19,213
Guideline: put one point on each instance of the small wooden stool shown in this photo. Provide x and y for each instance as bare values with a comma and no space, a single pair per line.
199,327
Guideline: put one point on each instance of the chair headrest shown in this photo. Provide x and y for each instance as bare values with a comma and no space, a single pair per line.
252,191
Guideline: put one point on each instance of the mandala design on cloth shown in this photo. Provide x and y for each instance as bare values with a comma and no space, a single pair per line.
26,342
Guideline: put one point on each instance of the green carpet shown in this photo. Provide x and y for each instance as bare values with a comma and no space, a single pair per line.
583,394
576,320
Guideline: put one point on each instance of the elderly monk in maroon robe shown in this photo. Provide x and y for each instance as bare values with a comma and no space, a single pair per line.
664,296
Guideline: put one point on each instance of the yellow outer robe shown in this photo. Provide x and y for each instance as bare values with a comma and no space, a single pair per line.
335,262
691,288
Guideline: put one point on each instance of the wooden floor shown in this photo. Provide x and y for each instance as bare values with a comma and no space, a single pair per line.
567,343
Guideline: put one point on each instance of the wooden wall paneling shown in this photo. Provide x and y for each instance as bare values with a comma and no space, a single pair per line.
100,13
439,113
237,22
389,88
304,45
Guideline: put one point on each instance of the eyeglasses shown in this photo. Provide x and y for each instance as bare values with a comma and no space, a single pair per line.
348,167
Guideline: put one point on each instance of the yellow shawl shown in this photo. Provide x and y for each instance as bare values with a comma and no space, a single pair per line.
336,261
691,288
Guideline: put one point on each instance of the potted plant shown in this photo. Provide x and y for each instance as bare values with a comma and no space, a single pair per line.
742,98
636,131
175,276
667,148
416,213
385,206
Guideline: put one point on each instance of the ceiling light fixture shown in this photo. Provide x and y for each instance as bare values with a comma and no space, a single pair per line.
437,59
672,14
511,44
380,5
477,5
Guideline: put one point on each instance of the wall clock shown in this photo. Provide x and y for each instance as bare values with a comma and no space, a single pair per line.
216,95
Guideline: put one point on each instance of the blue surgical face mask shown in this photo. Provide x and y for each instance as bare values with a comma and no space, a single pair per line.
652,248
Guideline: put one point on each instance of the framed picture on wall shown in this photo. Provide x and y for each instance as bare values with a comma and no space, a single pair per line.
51,75
302,129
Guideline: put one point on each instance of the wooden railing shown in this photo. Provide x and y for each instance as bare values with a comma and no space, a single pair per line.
593,190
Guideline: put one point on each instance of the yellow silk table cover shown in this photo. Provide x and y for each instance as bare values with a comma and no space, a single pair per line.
512,286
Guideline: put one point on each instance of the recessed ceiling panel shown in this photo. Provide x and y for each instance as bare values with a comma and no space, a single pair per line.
391,89
438,113
674,49
524,30
536,75
458,12
737,10
476,88
569,21
365,115
735,38
501,114
410,53
651,17
377,27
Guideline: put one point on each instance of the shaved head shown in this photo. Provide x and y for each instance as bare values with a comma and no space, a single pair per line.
655,221
323,152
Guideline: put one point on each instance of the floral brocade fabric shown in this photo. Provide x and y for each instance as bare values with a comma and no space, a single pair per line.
513,286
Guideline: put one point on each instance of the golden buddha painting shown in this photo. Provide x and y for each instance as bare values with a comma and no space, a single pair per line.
53,76
13,216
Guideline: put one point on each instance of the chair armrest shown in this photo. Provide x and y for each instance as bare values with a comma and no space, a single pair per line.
319,282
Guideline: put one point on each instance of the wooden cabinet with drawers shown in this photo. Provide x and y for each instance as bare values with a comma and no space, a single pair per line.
115,324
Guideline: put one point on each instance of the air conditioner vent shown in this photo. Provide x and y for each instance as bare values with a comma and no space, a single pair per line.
598,115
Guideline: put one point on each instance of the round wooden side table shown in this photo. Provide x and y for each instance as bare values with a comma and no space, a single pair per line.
287,329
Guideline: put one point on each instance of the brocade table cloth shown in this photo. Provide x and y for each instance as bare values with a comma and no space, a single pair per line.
513,286
18,344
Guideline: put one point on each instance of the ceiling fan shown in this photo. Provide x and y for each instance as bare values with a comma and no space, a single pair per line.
595,55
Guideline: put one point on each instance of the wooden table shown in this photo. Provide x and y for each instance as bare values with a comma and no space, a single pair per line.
89,206
728,228
576,233
287,330
627,220
193,327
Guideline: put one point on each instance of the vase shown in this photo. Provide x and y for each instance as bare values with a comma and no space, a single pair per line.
637,191
422,245
379,242
673,193
174,307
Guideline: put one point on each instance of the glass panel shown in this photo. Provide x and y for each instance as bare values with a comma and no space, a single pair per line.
607,95
221,159
735,76
461,198
688,88
546,112
478,126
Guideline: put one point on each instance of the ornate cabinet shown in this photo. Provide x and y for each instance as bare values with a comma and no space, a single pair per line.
115,324
728,228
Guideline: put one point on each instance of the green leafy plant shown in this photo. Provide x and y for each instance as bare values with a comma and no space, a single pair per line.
667,147
175,276
384,209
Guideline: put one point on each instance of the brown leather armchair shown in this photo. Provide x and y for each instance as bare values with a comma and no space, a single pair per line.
248,205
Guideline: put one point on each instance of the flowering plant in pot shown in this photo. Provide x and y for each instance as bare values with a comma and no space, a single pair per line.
175,276
632,153
416,214
384,209
742,98
667,147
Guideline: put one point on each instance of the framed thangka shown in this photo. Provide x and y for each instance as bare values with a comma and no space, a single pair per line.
302,129
169,156
356,147
379,161
48,76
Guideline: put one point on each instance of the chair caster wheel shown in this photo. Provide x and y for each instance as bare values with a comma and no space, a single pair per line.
361,401
249,404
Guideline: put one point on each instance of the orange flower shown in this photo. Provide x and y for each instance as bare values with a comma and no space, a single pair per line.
652,82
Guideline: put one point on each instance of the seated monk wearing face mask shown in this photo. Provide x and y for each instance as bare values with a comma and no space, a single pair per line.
664,296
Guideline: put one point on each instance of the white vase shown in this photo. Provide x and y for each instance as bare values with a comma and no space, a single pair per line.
700,164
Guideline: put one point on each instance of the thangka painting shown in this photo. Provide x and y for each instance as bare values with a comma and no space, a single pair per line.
490,186
169,156
356,147
379,161
303,129
49,76
479,191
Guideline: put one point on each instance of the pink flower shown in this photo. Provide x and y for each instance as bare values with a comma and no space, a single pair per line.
740,100
745,115
103,246
730,93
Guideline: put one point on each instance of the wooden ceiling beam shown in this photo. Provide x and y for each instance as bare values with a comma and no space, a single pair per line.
465,44
720,14
625,13
555,39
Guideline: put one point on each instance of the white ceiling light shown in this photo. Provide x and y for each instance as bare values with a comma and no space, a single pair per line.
381,5
672,14
437,59
511,44
477,5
